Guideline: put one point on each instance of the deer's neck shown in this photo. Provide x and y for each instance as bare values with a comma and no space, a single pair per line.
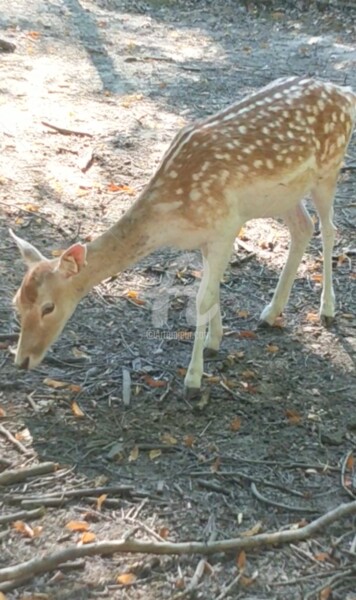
132,238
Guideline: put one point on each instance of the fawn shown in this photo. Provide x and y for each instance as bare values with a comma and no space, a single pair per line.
256,158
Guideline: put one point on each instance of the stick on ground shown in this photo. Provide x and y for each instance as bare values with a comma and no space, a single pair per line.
37,566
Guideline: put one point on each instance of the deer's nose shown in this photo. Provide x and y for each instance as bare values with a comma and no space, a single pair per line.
25,363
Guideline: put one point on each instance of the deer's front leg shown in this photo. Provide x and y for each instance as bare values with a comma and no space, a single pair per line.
215,257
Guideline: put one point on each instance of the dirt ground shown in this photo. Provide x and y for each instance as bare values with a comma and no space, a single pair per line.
268,446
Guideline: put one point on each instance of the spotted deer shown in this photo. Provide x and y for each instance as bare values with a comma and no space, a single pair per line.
257,158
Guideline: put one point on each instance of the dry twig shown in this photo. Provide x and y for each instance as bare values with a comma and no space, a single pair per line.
288,507
65,131
16,443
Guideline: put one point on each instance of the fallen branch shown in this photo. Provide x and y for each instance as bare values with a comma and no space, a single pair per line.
38,566
17,475
23,515
65,131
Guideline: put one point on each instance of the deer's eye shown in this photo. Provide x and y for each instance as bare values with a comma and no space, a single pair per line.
47,309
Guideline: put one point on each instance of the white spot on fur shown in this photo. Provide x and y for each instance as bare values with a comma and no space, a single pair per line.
257,163
194,195
168,206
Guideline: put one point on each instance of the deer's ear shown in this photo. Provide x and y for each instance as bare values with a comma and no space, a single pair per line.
73,260
29,253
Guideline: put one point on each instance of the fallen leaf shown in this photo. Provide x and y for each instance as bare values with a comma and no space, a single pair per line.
126,578
155,454
216,465
74,387
325,593
243,314
179,583
248,374
154,383
204,400
273,348
312,317
79,353
2,413
23,435
100,501
34,35
2,596
134,297
31,207
248,387
247,581
163,532
134,454
256,528
350,463
317,277
77,526
88,537
235,424
54,383
23,528
341,259
241,560
113,187
189,441
167,438
248,334
80,192
101,480
293,416
322,556
76,410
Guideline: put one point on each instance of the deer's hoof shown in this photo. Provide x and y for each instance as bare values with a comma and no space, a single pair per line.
192,393
210,353
327,321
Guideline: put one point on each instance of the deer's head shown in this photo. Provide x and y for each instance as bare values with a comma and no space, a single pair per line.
47,297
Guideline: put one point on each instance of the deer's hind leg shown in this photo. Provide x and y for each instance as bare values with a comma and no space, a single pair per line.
301,229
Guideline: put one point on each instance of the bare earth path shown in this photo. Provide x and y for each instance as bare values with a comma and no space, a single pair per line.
270,444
